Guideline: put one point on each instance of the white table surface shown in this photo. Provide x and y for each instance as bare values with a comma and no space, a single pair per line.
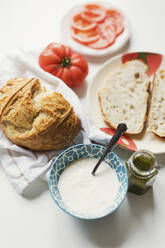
34,220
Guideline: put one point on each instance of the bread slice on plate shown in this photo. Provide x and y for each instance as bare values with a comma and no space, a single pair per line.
125,97
156,118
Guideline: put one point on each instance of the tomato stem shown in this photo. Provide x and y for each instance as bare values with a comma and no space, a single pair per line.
66,62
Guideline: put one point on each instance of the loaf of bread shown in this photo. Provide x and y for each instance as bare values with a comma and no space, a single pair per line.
156,118
33,117
125,97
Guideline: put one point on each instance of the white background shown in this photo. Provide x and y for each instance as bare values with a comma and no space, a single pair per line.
34,220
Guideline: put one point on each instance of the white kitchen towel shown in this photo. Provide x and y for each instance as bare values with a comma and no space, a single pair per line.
23,166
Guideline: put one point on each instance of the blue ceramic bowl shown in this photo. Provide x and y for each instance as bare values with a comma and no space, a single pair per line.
83,151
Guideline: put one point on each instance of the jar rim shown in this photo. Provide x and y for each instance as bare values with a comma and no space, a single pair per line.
139,172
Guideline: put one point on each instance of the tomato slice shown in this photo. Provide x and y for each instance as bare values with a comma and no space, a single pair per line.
93,13
86,37
119,27
107,36
117,19
114,14
80,24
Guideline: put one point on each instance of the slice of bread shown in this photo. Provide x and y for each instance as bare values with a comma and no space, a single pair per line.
125,97
156,118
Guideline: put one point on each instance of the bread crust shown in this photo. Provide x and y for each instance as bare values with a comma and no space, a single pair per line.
35,118
8,91
152,102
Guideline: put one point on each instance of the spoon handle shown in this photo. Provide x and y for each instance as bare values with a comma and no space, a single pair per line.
121,128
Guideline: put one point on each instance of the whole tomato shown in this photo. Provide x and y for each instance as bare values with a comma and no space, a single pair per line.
62,62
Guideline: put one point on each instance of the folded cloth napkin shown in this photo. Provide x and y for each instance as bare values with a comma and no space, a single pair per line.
23,166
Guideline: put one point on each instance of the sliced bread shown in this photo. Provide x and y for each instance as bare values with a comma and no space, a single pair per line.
125,97
156,118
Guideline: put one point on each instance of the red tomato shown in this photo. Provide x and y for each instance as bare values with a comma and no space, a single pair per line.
86,37
80,24
107,36
117,19
62,62
93,13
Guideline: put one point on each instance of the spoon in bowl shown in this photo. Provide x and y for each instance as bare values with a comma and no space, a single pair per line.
121,128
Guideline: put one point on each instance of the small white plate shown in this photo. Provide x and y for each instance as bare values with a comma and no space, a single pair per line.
145,140
87,51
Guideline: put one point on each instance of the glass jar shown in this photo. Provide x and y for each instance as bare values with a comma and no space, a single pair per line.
141,167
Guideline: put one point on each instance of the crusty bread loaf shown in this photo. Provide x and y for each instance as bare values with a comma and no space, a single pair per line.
156,118
125,97
35,118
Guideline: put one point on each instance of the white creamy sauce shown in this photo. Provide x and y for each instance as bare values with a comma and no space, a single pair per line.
85,193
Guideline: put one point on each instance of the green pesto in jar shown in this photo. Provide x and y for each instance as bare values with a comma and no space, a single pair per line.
137,184
144,161
141,171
